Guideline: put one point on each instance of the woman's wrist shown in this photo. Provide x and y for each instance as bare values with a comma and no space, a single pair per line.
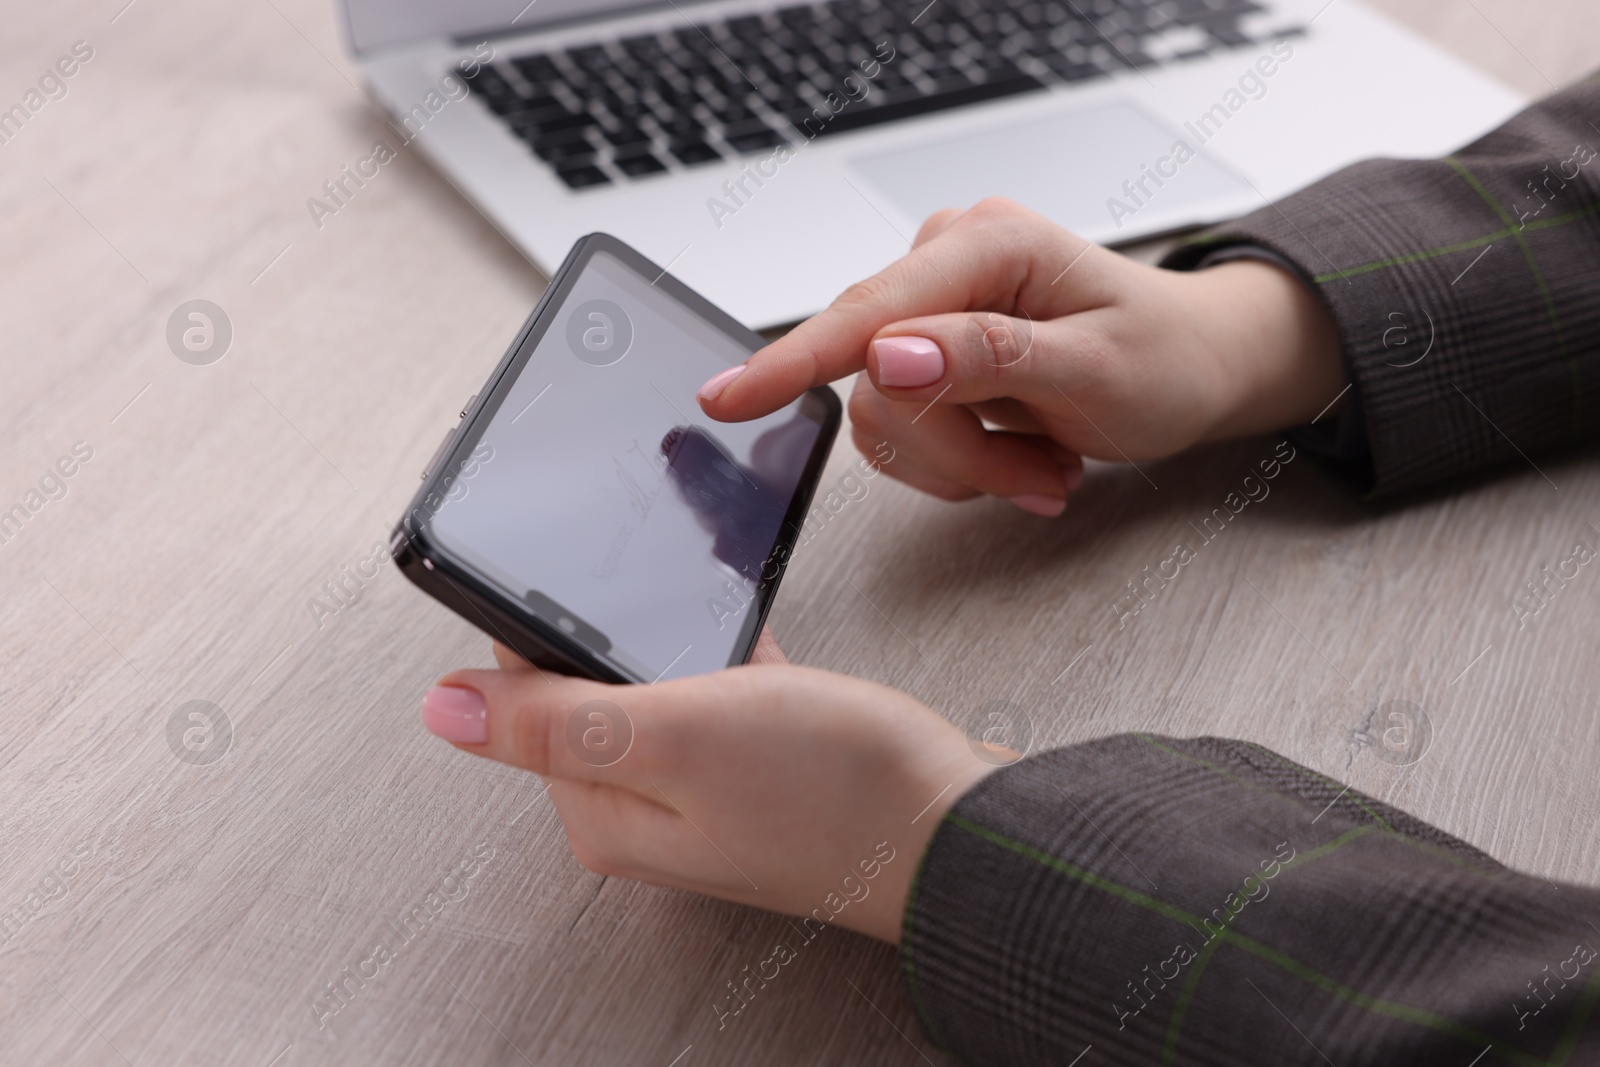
953,779
1277,344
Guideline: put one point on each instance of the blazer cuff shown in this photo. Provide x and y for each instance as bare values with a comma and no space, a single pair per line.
1120,893
1342,441
1462,288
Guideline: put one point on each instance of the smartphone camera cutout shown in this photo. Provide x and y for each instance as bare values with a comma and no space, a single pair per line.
599,332
566,621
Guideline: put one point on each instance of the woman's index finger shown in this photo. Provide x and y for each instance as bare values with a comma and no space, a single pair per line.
832,344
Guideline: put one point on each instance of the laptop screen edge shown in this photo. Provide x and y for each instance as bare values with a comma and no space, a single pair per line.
374,25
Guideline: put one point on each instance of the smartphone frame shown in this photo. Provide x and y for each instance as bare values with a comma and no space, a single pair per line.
482,602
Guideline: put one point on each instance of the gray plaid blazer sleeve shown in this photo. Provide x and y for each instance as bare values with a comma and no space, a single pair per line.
1141,900
1466,290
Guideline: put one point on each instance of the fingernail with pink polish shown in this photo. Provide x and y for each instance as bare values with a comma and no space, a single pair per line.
1048,506
456,714
908,362
713,388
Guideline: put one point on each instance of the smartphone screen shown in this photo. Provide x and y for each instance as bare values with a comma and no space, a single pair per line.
594,492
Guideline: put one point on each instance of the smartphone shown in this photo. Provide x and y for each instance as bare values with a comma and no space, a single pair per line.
586,513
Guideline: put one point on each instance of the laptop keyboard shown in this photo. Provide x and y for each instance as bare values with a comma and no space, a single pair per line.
628,109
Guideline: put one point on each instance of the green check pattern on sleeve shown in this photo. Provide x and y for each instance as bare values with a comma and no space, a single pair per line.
1038,913
1465,291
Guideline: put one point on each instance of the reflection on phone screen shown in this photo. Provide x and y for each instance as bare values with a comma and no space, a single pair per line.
608,503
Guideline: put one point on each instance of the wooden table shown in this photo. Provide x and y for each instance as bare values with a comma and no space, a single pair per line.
175,912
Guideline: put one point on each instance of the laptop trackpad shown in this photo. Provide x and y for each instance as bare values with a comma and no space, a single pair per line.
1070,168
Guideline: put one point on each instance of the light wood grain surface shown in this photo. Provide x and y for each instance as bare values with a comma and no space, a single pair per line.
181,913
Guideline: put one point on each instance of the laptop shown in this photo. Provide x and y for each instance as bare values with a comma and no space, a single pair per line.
770,153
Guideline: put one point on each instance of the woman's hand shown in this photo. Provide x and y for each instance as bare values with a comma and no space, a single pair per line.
781,787
1003,348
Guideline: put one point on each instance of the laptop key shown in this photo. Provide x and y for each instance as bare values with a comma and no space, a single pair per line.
537,68
523,110
486,80
636,166
691,39
565,153
692,152
754,140
564,121
504,106
798,18
733,113
535,119
624,136
890,81
582,175
951,82
556,151
539,101
1072,70
683,129
590,57
747,27
1226,31
855,118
